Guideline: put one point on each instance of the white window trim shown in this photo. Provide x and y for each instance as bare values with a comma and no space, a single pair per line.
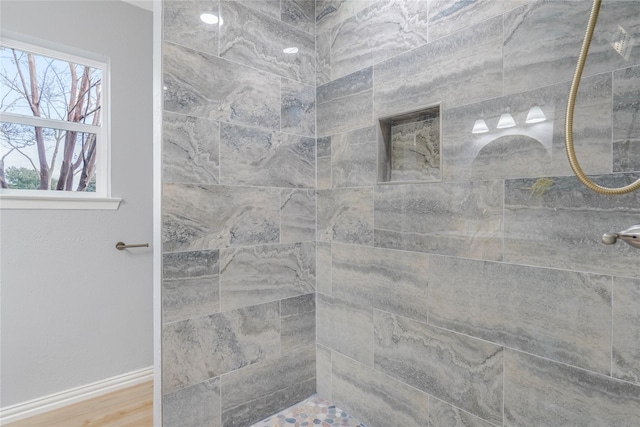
52,199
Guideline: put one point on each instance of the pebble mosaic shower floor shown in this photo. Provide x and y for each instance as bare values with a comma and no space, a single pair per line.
315,411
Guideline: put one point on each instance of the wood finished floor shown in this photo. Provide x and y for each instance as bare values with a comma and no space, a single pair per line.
131,407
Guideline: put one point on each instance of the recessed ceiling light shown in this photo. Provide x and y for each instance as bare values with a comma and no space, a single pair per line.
209,18
290,50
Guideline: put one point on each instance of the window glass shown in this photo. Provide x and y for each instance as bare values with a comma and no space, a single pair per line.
51,121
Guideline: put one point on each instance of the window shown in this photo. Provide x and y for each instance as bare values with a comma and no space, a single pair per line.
54,143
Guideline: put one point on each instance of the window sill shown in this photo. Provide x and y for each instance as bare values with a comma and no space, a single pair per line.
68,202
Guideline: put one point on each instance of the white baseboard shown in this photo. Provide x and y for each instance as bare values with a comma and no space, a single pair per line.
74,395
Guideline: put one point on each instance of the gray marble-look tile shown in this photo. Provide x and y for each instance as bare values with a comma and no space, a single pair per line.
375,398
542,40
298,322
558,314
346,215
529,149
454,71
324,173
385,279
544,393
182,24
447,17
195,406
323,58
268,7
461,219
206,86
557,222
197,217
198,349
441,414
323,371
381,31
190,149
298,108
626,329
323,267
345,327
258,41
190,285
257,274
250,156
626,120
415,150
332,12
256,392
298,214
300,13
354,158
457,369
345,104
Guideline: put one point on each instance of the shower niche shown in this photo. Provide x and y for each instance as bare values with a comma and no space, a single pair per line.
409,147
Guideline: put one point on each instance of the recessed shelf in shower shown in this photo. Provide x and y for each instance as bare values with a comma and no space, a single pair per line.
410,147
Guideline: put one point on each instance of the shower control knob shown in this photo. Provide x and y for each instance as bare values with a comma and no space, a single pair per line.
630,236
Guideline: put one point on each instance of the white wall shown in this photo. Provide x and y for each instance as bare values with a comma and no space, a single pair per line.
74,310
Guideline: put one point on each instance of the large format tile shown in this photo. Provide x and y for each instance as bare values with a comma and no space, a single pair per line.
250,156
298,214
558,314
544,393
323,174
462,219
182,24
323,267
345,327
385,29
298,322
331,12
190,285
206,86
268,7
346,215
626,120
542,40
385,279
198,349
197,217
190,149
557,222
447,17
529,149
375,398
323,58
626,329
425,76
257,274
457,369
323,371
258,41
354,160
256,392
298,108
445,415
345,104
195,406
300,13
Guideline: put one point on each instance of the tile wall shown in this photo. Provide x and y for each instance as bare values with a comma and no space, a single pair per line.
485,298
482,299
239,202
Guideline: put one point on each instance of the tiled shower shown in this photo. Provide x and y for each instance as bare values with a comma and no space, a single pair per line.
479,296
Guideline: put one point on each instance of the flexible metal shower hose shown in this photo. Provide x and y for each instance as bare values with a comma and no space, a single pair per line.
568,124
